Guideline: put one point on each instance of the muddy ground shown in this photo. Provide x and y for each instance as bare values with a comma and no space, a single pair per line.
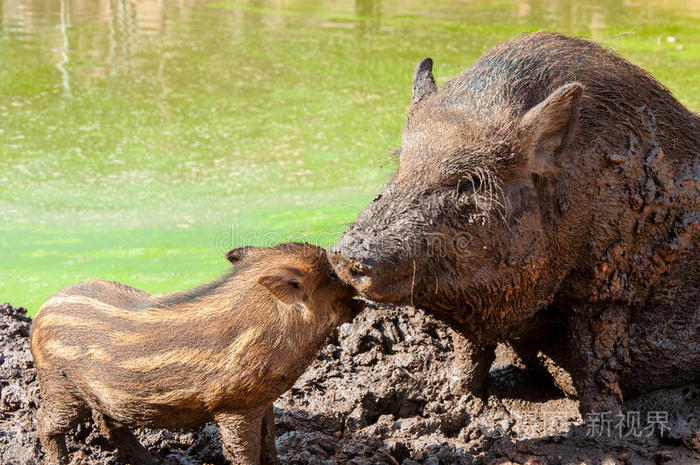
382,392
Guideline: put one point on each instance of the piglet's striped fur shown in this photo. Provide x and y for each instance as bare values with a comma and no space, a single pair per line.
220,352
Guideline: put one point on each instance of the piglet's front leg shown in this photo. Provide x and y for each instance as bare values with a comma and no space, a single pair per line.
268,449
241,437
598,347
249,439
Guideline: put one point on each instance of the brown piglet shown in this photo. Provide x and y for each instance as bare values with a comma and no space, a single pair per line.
220,352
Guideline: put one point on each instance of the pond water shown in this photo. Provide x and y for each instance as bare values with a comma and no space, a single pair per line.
140,139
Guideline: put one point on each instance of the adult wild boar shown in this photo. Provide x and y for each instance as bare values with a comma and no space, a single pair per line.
547,196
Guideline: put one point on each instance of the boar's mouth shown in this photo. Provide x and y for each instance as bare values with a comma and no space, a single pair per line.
371,282
398,292
353,301
357,305
468,306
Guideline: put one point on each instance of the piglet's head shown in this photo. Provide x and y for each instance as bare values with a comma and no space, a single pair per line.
299,278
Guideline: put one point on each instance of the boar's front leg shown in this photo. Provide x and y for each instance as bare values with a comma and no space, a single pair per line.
553,375
599,353
241,436
121,436
472,364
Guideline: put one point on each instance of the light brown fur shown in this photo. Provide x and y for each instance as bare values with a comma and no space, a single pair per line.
222,352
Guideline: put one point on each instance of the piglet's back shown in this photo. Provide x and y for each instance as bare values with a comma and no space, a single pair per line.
81,311
96,341
88,304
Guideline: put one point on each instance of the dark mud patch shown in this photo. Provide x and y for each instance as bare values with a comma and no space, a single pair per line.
382,392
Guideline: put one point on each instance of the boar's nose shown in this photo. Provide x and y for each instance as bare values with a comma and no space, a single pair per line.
356,270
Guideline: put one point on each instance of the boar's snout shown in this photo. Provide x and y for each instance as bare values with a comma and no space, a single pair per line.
354,263
355,268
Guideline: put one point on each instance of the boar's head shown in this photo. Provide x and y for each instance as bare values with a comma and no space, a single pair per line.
464,228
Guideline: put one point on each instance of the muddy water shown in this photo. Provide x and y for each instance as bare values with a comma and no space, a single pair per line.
139,139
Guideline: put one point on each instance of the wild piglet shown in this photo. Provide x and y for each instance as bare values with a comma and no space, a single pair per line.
220,352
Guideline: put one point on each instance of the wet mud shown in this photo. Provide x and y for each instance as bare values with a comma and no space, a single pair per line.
382,391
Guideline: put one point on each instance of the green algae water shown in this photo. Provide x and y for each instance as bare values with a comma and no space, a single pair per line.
141,139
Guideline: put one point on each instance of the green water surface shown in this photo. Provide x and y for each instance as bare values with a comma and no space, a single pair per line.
140,139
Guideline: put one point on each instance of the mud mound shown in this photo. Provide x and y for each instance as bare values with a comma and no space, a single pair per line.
382,392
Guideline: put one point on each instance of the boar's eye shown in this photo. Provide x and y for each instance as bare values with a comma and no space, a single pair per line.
468,185
464,186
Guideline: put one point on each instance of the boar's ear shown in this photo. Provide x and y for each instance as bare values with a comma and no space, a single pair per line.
287,284
237,254
551,124
423,81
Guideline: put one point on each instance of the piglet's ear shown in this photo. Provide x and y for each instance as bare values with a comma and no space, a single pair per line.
550,125
237,254
288,284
